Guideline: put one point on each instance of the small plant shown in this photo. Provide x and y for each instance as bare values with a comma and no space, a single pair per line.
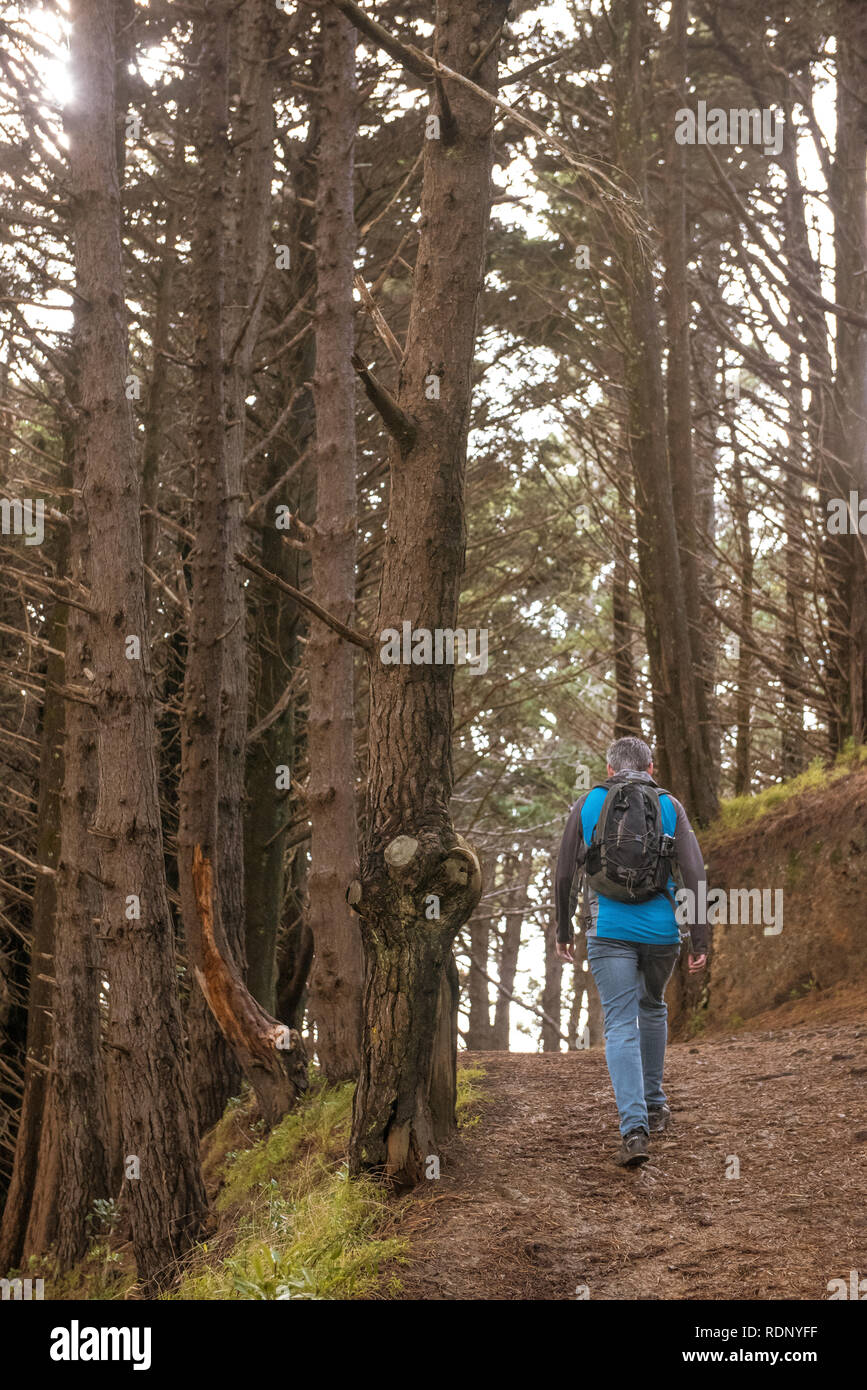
103,1218
803,987
295,1225
470,1096
697,1022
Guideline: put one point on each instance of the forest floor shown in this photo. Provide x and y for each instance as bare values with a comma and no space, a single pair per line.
530,1204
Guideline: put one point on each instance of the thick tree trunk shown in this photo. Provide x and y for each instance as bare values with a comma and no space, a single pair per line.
247,213
682,748
679,387
847,443
212,744
72,1166
144,1028
338,967
33,1120
419,881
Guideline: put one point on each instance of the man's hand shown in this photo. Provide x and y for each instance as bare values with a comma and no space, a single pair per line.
565,951
697,963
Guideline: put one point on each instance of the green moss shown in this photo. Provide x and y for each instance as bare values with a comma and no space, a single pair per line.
743,810
470,1096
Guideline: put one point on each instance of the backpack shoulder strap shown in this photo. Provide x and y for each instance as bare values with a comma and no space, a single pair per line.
602,818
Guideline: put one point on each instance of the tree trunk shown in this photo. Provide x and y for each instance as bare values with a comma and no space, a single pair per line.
144,1027
248,213
209,843
277,667
679,387
33,1121
847,445
744,695
552,993
419,880
682,751
72,1167
444,1078
478,998
510,946
627,714
337,976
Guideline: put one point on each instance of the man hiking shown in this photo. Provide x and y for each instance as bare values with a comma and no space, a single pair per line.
625,840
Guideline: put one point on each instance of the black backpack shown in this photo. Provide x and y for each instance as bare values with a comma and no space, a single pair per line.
629,857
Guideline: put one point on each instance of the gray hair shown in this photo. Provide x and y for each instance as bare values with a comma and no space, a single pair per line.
629,755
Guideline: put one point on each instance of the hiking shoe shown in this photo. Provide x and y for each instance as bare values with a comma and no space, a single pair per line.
633,1149
658,1118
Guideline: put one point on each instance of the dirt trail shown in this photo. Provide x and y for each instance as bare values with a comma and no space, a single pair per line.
531,1206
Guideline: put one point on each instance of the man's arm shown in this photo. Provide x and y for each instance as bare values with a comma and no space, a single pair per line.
571,856
691,864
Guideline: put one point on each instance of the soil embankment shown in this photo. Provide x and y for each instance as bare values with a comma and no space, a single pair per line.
813,848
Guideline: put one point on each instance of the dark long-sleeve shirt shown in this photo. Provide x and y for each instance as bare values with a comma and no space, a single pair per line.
570,863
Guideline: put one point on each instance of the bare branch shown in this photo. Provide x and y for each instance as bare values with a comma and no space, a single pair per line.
358,639
400,426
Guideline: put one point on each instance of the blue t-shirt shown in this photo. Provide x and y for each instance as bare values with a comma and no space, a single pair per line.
653,921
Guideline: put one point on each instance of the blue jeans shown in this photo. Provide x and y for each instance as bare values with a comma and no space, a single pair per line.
631,977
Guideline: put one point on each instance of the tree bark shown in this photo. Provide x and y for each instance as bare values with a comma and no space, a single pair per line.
627,714
682,752
552,993
144,1027
414,864
847,443
212,740
247,214
744,693
679,388
510,946
478,998
337,975
34,1117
